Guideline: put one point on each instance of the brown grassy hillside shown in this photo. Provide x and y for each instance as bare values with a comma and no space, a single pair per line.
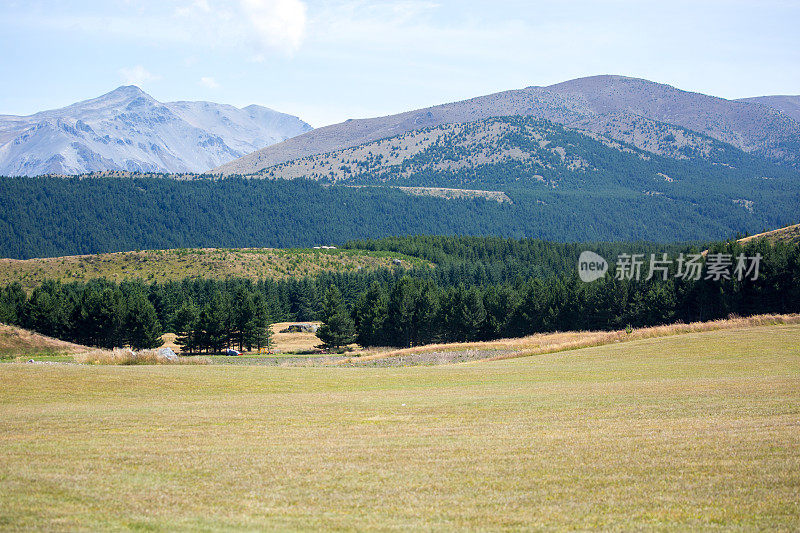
16,342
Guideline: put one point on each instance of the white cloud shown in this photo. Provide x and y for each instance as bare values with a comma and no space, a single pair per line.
209,82
137,75
276,24
263,26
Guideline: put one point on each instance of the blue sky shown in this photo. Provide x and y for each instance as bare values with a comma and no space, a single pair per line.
327,61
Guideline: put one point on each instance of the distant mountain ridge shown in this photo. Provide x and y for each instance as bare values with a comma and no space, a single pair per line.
127,129
538,151
626,109
786,104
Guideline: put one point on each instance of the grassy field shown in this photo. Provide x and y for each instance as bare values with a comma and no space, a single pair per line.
694,431
545,343
211,263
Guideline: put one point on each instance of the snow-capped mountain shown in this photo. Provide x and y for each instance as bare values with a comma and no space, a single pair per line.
127,129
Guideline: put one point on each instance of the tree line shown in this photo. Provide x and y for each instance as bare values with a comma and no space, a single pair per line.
479,289
97,314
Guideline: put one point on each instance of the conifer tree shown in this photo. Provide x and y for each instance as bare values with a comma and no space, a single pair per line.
12,303
243,317
260,333
185,323
213,324
337,329
141,326
369,316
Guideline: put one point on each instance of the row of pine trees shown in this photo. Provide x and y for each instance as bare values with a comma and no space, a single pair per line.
105,315
479,289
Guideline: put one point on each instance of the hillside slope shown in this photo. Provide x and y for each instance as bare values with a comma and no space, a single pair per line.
615,106
788,105
539,151
53,216
787,234
177,264
16,341
127,129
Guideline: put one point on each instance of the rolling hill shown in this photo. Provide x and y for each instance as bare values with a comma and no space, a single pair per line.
177,264
624,109
601,158
54,216
527,152
127,129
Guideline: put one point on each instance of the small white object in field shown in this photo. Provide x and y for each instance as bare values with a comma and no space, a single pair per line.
167,354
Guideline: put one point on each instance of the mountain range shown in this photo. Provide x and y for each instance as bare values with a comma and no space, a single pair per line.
601,158
654,117
129,130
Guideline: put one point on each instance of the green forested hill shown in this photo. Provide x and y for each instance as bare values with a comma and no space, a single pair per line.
56,216
480,289
50,216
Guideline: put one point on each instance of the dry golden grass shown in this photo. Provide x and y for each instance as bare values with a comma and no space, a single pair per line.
124,356
168,340
689,432
787,234
18,342
21,344
556,342
293,342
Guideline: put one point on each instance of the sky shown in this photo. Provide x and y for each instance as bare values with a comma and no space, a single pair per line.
329,60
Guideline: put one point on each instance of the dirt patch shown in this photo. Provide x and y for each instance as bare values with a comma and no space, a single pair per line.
312,360
427,358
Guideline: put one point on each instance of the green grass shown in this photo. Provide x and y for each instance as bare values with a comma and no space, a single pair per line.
212,263
696,431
